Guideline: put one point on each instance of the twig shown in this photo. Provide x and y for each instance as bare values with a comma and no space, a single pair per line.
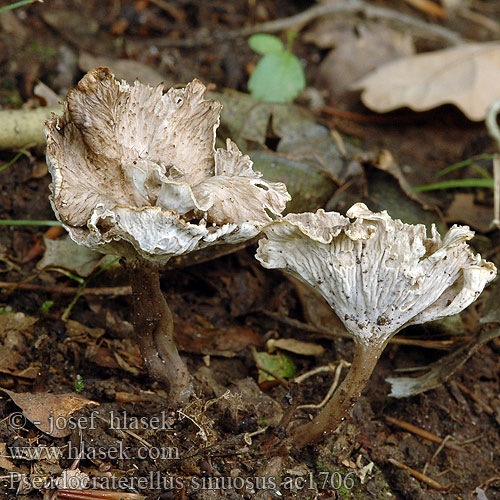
418,431
297,22
178,14
356,6
480,19
444,345
127,431
97,495
201,432
428,7
494,131
330,392
485,406
319,369
438,451
23,128
418,475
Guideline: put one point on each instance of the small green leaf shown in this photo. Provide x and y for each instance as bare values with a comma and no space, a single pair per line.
277,78
265,44
280,364
45,307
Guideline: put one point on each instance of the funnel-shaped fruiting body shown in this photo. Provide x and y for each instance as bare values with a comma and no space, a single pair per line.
379,275
135,173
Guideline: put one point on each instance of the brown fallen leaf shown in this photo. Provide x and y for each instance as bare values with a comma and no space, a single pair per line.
81,333
464,209
9,361
6,463
49,412
356,57
67,255
295,346
466,76
15,329
202,339
124,69
15,322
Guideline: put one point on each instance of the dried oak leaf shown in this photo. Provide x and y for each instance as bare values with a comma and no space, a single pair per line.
45,410
466,76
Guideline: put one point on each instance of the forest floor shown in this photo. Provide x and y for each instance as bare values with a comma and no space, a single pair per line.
65,334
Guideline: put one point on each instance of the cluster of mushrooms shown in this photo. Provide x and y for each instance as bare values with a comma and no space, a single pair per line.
135,173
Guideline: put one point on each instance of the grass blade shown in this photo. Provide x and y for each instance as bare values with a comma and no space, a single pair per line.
457,183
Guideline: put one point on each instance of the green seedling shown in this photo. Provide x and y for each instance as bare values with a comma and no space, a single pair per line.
279,76
11,162
79,384
45,307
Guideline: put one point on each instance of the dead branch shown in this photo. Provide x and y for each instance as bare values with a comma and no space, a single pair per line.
23,128
298,21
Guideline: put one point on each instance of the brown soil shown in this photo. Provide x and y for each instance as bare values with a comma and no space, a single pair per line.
204,450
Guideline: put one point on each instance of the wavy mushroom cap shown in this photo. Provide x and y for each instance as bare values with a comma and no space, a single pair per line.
135,171
378,274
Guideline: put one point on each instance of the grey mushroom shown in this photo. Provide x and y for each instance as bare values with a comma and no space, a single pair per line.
379,275
135,173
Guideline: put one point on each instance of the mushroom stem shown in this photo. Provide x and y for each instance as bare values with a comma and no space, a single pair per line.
154,331
344,398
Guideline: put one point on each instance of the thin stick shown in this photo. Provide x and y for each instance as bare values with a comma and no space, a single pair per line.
418,475
438,451
178,14
418,431
356,6
485,406
496,190
494,131
330,392
297,22
428,7
444,345
319,369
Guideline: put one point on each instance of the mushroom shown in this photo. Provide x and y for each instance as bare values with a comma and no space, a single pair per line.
135,173
379,275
